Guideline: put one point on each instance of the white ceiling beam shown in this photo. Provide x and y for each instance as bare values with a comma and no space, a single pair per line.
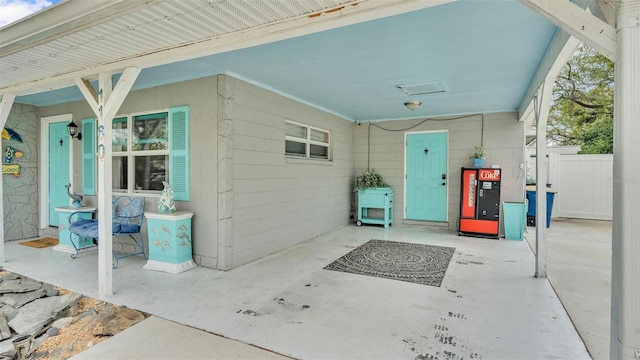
357,12
89,93
607,9
558,53
578,23
120,92
5,108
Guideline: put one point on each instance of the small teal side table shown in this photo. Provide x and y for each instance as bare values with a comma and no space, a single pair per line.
64,242
169,242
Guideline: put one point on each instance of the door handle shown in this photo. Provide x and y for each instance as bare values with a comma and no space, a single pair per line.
444,184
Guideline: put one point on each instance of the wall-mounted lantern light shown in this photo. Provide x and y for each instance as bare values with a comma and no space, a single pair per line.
72,128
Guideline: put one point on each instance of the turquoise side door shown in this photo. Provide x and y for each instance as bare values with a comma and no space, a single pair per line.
427,178
58,168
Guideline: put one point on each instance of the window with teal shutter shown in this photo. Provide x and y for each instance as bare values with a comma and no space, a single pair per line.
179,152
88,128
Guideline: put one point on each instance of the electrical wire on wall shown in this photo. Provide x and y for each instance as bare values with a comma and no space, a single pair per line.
415,126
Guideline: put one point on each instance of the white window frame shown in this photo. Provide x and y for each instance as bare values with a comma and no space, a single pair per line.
308,142
130,154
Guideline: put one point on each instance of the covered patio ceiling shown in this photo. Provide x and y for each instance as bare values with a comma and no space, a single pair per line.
343,56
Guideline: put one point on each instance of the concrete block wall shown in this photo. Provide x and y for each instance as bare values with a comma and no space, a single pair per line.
503,142
278,201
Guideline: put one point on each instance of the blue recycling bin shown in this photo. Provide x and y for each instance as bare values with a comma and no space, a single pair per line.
515,220
531,212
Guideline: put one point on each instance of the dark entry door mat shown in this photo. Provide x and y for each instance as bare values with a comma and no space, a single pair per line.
416,263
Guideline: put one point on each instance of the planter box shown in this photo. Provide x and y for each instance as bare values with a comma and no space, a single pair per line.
375,198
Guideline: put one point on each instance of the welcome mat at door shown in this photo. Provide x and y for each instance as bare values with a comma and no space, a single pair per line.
40,243
416,263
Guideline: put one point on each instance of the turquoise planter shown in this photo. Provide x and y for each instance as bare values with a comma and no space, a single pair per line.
375,198
478,162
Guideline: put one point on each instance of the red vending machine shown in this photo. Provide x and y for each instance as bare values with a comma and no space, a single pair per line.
480,202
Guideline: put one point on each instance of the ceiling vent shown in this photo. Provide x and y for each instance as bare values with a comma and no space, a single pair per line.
432,87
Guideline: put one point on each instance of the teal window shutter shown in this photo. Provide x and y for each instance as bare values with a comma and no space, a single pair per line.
179,152
88,128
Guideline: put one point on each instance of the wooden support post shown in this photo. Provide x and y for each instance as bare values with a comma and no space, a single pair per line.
542,105
5,108
625,287
106,102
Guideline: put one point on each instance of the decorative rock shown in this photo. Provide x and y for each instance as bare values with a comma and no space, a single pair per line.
53,331
5,332
9,276
50,290
90,312
90,344
40,312
62,322
6,348
9,312
19,299
19,286
112,320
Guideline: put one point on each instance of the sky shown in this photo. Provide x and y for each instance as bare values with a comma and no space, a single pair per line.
12,10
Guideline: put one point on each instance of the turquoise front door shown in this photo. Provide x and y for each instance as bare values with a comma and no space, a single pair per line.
58,168
427,178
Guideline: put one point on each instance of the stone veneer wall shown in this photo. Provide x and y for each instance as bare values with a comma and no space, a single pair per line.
20,194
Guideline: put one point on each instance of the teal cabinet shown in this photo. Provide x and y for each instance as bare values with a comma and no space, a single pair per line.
375,198
64,240
169,241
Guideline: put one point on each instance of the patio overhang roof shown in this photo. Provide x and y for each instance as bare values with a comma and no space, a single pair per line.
343,56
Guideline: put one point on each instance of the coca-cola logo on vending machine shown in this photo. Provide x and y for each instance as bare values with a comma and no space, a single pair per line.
489,175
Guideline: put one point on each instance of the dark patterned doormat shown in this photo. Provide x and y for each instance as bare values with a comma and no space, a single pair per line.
416,263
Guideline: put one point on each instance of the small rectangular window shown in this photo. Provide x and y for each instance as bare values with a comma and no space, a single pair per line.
306,141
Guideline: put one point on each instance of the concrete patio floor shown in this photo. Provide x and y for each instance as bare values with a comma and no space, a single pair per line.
489,305
579,269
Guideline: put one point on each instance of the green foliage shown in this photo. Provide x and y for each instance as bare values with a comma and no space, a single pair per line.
582,103
369,179
598,138
478,152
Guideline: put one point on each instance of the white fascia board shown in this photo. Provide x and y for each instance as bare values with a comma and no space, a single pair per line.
578,23
303,25
61,19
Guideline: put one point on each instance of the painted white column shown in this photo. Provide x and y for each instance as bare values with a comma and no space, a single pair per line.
5,108
105,245
542,105
625,271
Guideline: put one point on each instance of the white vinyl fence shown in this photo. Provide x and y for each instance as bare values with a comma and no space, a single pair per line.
583,183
